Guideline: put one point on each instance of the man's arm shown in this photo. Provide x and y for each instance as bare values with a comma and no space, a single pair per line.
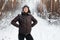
13,22
34,21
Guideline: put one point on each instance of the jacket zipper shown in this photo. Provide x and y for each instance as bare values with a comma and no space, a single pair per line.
26,25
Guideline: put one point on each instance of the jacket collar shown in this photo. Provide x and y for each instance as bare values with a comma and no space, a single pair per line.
23,13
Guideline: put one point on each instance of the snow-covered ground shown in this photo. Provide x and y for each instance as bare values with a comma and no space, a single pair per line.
42,31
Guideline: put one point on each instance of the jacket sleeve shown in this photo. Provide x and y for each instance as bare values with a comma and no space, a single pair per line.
34,21
13,22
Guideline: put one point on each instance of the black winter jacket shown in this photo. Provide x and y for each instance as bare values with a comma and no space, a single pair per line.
26,22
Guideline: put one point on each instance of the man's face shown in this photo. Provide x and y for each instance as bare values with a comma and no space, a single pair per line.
25,9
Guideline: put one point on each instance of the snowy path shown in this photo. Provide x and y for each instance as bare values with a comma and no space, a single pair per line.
42,31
